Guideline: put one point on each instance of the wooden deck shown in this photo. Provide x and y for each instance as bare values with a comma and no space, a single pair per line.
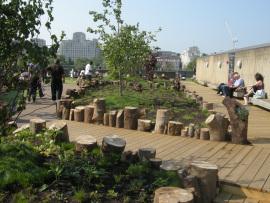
245,166
229,198
259,119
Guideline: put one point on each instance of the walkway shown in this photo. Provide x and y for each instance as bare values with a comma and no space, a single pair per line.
43,108
246,166
259,119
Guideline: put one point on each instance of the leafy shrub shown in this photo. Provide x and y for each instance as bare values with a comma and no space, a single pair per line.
20,166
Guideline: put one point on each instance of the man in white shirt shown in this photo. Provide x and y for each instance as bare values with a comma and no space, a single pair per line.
88,71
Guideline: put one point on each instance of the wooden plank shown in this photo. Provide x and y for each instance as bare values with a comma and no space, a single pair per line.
253,169
242,167
248,200
261,177
206,155
219,156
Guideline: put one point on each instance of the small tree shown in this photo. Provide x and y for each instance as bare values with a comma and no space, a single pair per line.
192,65
20,21
125,47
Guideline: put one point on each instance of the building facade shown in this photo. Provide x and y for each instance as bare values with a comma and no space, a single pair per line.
168,61
189,54
39,42
79,47
216,68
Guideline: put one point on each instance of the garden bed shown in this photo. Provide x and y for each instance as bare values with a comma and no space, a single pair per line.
182,109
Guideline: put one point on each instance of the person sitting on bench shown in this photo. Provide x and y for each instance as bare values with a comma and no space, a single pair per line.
237,84
257,90
221,85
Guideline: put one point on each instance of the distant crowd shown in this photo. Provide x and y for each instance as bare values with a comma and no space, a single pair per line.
237,84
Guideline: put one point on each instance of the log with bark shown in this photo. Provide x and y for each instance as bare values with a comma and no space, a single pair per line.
71,115
85,142
106,119
131,118
88,113
112,118
207,175
238,120
204,134
146,153
218,126
162,119
184,132
62,128
191,130
120,119
113,144
79,113
155,163
197,132
100,109
174,128
173,195
144,125
37,125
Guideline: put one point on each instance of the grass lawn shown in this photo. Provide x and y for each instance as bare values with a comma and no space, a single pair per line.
69,80
182,109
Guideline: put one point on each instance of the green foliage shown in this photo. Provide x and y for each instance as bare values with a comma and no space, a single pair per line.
20,166
80,195
192,65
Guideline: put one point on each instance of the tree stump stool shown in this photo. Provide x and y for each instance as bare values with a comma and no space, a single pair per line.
174,128
113,144
79,113
173,195
71,115
120,119
85,142
106,119
88,113
162,119
191,130
131,118
207,106
37,125
112,118
62,127
204,135
146,153
99,110
144,125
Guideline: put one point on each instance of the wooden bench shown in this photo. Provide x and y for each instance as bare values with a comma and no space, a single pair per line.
264,103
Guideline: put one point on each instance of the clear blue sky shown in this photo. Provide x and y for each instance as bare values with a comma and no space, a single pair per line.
184,23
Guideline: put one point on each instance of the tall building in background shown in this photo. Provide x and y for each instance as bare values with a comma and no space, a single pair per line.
79,47
189,54
168,61
39,42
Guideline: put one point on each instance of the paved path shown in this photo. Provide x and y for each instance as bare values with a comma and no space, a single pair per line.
246,166
43,108
259,119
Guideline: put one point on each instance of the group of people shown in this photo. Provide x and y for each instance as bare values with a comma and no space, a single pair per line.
236,83
34,77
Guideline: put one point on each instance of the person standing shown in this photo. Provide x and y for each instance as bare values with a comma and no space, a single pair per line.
88,71
57,74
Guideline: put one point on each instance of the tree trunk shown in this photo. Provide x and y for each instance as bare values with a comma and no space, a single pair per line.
112,118
100,109
218,126
106,119
238,119
173,195
85,142
175,128
131,118
88,113
162,119
204,135
59,109
37,125
63,128
71,115
207,175
191,130
120,119
113,144
146,153
79,113
144,125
